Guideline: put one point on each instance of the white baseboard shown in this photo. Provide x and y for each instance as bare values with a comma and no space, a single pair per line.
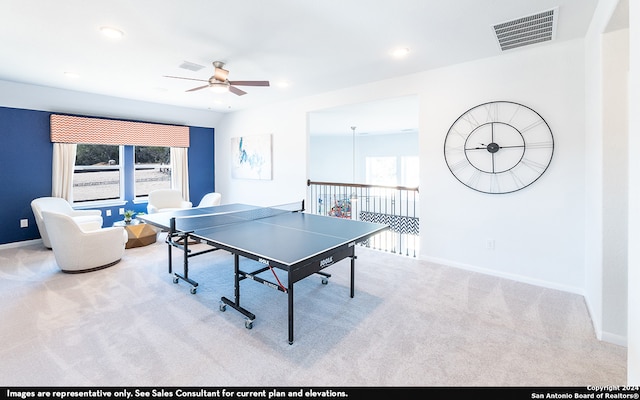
23,243
499,274
603,336
614,339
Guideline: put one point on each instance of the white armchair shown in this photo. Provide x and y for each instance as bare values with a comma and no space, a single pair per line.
166,200
210,199
79,250
87,219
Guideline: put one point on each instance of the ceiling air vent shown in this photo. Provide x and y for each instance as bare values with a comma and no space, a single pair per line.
191,66
537,28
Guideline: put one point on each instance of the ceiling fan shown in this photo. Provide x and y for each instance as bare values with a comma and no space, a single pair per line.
219,82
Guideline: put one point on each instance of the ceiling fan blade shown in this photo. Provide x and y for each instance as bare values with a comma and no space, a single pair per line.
198,88
237,91
250,83
190,79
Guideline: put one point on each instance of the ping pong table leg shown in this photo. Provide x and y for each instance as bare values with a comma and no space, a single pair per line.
353,273
185,263
290,294
170,257
185,258
235,304
236,284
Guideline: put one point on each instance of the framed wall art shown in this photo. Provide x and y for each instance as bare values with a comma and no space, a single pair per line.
251,157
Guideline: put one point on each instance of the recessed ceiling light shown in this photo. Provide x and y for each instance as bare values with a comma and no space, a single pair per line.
400,52
71,75
283,84
111,32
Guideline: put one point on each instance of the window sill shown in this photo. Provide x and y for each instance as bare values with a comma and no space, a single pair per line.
99,204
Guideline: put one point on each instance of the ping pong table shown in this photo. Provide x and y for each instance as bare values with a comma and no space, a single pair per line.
282,237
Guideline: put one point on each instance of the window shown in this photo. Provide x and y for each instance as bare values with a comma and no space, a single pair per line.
384,171
153,169
381,171
410,169
97,172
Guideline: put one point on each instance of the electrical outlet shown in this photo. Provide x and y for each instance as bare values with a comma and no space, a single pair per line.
24,223
491,244
121,211
108,212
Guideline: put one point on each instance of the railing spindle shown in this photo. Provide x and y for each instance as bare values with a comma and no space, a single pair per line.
390,205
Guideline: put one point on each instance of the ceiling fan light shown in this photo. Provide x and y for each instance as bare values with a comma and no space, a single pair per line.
219,87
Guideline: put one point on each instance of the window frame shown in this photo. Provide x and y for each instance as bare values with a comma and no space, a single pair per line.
121,200
402,173
135,196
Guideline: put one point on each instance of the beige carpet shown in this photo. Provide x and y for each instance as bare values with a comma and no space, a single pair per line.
411,323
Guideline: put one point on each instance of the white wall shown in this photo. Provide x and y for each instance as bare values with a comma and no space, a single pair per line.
614,189
31,97
605,134
288,125
593,166
538,232
633,329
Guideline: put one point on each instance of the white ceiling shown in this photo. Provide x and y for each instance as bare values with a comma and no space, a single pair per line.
317,46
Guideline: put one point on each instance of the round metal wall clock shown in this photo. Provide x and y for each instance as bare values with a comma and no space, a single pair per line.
498,147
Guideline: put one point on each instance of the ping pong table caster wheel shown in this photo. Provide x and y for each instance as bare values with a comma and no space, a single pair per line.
248,324
175,280
325,281
222,307
193,290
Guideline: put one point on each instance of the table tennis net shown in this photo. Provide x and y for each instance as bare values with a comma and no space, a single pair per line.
203,221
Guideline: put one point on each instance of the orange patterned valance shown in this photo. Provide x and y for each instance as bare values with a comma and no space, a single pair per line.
70,129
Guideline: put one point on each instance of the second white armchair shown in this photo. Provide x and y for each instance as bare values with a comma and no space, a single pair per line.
210,199
166,200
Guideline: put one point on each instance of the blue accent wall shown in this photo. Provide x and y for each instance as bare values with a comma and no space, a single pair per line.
25,170
201,168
